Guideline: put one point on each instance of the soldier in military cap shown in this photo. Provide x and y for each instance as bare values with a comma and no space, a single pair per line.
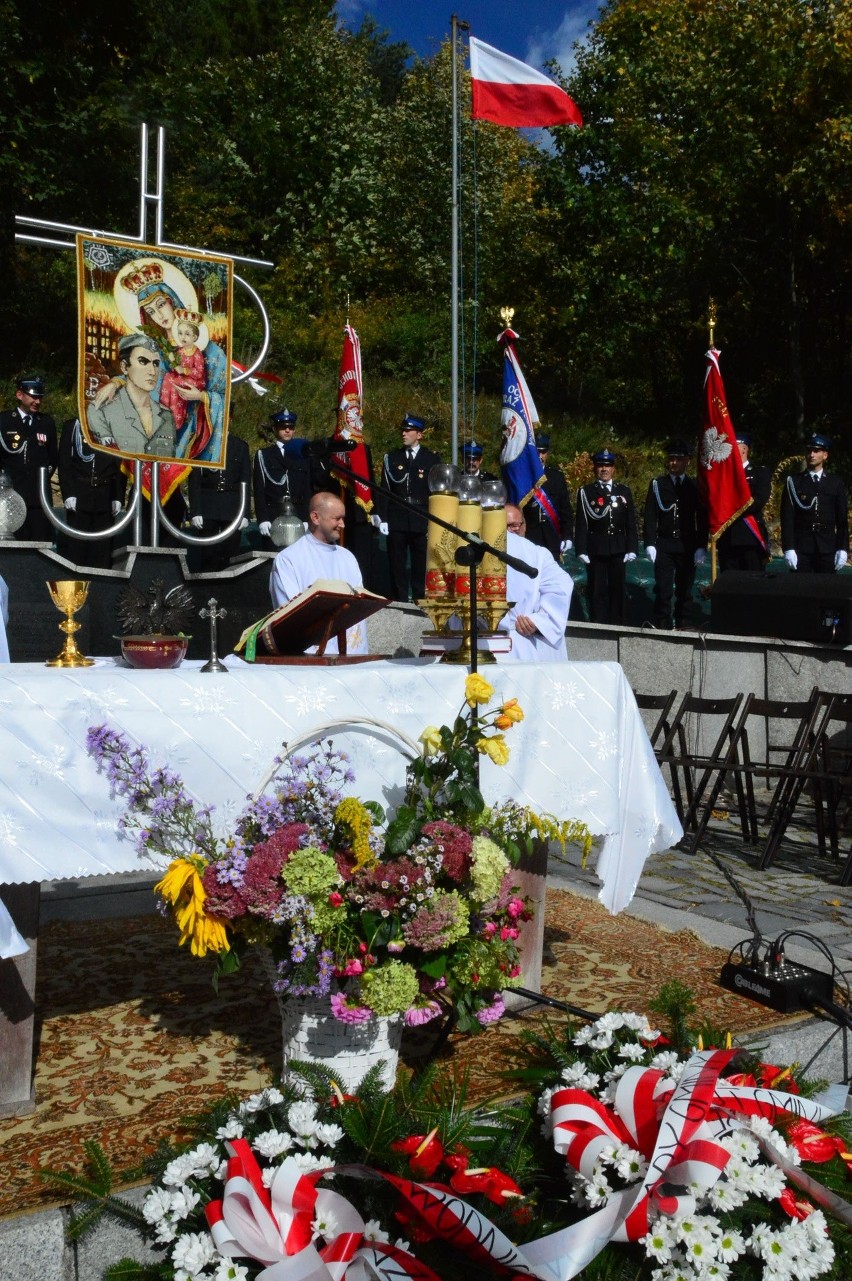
675,535
405,474
472,461
606,538
814,514
214,499
549,515
745,544
28,443
280,472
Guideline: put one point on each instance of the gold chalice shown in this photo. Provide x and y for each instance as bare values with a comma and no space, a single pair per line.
69,596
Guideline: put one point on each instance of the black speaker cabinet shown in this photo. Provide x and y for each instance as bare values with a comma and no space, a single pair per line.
806,607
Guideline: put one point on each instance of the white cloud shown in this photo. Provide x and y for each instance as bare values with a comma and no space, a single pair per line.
557,42
350,12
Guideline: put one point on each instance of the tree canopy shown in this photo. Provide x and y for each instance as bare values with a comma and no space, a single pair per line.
716,160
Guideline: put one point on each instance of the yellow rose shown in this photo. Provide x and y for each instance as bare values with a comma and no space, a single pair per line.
494,747
477,690
431,740
512,711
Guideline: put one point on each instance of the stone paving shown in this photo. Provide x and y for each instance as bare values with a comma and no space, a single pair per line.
799,891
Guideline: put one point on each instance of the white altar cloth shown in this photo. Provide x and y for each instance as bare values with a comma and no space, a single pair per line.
581,751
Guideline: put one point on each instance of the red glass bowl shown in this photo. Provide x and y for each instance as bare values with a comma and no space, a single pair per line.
154,651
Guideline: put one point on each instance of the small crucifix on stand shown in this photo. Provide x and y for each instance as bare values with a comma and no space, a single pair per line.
212,612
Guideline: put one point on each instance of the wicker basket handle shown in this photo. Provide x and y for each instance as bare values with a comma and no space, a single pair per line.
407,746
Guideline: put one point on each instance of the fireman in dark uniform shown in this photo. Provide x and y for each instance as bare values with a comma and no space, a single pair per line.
214,499
549,516
405,474
92,488
606,538
814,515
280,472
472,461
675,536
28,443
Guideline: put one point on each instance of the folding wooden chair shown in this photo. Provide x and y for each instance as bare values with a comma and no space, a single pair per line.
776,760
686,764
662,703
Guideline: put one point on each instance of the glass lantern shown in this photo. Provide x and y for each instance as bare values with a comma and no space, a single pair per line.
286,529
13,509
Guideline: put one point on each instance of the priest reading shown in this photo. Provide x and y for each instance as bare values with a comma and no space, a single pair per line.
319,556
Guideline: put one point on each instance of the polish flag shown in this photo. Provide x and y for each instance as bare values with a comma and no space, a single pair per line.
509,92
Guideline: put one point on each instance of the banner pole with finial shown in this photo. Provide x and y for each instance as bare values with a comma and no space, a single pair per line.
711,334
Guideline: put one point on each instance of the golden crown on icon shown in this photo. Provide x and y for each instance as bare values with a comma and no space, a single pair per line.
194,317
150,274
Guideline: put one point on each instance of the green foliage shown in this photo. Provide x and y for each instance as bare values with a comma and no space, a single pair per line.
94,1189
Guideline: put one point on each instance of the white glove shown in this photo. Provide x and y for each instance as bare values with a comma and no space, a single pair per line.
375,520
584,558
700,556
840,559
244,523
629,556
70,504
197,522
116,507
565,545
791,559
651,553
264,527
383,528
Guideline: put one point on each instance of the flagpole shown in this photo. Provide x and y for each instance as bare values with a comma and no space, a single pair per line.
711,334
454,251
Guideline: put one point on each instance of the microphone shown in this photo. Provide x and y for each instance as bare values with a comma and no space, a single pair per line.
325,448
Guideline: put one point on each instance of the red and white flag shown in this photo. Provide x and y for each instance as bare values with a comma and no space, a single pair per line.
350,425
722,481
509,92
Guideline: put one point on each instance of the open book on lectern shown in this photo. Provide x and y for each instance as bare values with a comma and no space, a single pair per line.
321,611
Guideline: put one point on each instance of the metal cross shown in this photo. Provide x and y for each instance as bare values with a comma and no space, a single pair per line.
153,201
214,614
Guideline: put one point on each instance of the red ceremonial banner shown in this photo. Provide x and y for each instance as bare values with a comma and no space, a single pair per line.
722,480
350,425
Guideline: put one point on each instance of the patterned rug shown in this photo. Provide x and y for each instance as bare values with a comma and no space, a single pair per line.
133,1040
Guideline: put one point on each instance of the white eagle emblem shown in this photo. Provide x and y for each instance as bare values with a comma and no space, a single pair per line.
714,448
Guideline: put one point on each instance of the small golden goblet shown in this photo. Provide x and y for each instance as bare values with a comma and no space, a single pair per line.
69,596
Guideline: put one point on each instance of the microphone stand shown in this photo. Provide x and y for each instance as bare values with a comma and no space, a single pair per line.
470,554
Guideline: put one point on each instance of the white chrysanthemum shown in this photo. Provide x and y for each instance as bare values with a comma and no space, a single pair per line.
598,1192
630,1165
229,1270
176,1172
578,1077
191,1254
632,1050
272,1143
614,1075
232,1129
265,1099
725,1195
741,1144
184,1201
602,1041
675,1072
543,1105
611,1021
773,1247
302,1119
373,1231
730,1245
659,1241
157,1204
325,1226
639,1024
166,1232
307,1161
665,1060
768,1181
583,1035
329,1135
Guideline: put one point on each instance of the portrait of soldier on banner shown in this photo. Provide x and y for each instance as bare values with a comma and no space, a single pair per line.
154,345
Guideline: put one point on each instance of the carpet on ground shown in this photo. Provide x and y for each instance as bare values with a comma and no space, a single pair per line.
132,1039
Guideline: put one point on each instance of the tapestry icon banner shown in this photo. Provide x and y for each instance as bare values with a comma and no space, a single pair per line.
154,342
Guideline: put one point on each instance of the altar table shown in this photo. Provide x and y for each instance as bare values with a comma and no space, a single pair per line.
581,752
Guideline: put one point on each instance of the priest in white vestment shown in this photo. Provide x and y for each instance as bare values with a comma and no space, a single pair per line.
319,555
538,617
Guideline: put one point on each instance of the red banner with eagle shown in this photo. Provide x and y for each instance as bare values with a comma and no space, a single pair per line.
350,425
722,482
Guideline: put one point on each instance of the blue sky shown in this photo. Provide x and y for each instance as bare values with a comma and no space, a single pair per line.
533,30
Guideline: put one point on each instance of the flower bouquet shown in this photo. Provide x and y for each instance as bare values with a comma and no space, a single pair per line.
413,914
652,1164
